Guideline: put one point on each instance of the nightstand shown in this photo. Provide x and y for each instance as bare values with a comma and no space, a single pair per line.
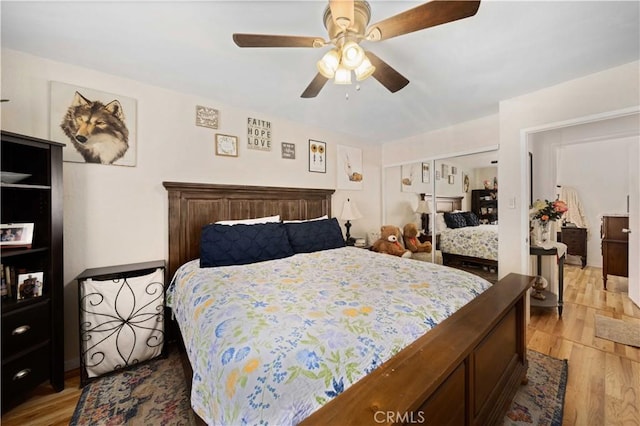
576,240
427,237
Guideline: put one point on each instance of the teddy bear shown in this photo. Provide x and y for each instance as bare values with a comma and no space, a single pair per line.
410,235
389,242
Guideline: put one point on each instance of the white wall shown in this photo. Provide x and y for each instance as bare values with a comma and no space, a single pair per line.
457,139
116,215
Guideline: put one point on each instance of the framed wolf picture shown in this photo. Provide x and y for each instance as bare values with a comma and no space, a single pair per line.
97,127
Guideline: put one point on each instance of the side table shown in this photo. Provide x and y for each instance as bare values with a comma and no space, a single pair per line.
551,300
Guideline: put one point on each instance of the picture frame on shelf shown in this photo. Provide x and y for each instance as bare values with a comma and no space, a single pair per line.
226,145
29,285
16,235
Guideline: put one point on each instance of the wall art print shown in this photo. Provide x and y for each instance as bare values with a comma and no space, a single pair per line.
97,127
350,169
207,117
317,156
412,176
258,134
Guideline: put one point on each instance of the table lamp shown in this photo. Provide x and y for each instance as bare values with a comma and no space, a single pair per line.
349,212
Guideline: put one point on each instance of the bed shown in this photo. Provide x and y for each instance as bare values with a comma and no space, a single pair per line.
464,370
477,244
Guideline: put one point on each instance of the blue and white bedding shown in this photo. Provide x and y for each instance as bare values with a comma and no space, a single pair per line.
475,241
271,342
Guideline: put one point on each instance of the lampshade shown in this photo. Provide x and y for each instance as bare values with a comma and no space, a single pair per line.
350,211
343,75
352,55
329,63
364,70
423,207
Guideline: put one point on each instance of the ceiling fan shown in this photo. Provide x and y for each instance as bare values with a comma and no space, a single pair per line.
346,23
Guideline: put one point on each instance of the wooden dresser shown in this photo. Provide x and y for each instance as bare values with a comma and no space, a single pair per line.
576,240
615,246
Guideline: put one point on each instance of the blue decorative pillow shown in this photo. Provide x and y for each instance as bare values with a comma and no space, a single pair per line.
455,220
307,237
471,219
223,245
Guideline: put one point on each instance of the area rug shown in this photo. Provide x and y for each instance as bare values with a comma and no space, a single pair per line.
155,394
618,331
541,400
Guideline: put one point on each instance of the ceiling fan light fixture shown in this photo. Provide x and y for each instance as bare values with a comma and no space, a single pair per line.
352,55
329,63
343,76
364,70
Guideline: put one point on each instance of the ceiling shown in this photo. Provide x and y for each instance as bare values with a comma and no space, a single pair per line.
458,71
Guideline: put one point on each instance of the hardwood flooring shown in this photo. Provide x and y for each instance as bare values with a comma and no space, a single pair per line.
604,377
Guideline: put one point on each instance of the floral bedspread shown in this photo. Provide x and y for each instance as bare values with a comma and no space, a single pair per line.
475,241
273,341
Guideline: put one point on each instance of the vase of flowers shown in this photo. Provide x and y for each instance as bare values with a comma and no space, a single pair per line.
541,214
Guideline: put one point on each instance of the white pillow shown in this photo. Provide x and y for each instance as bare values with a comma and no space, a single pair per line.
307,220
441,225
265,219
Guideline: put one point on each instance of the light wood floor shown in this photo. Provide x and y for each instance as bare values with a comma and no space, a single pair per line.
604,377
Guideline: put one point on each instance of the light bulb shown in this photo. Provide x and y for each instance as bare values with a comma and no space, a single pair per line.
364,70
329,63
343,76
352,55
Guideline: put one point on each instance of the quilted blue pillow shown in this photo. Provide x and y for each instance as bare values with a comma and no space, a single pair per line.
223,245
455,220
307,237
471,219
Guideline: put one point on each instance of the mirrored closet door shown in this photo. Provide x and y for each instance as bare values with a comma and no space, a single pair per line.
454,203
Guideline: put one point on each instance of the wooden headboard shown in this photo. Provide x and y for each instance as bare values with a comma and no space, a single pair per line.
448,204
193,205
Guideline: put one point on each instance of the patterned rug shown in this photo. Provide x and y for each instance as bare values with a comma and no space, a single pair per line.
541,401
155,394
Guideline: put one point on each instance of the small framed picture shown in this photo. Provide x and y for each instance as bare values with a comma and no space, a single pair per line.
289,150
18,235
454,170
452,179
30,285
207,117
226,145
317,156
445,170
425,173
437,174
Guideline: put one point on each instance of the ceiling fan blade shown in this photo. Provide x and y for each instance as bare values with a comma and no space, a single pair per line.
386,75
424,16
315,86
266,40
342,12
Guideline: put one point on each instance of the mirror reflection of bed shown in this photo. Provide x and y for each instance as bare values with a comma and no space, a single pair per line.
466,187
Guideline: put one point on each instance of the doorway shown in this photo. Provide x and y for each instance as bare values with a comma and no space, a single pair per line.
598,158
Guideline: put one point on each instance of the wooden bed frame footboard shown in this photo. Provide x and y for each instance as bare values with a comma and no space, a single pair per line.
464,371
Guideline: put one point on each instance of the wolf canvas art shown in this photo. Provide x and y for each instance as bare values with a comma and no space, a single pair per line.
94,125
